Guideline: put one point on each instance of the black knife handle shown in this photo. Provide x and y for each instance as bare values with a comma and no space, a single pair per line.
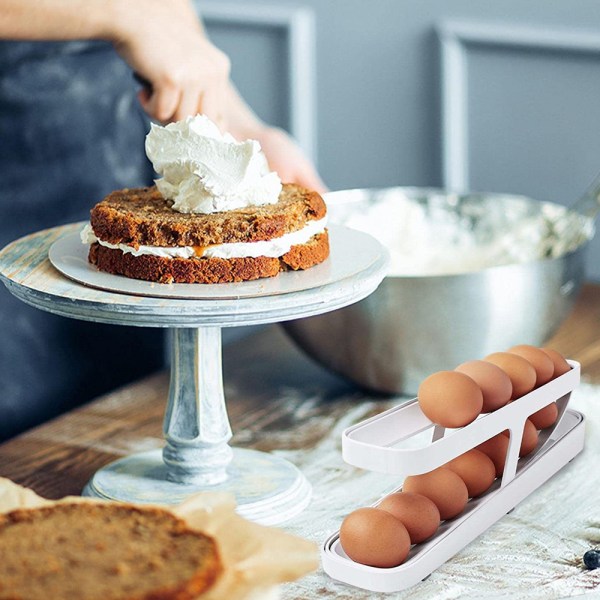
142,81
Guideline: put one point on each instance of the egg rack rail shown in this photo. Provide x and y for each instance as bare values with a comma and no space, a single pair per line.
196,455
403,441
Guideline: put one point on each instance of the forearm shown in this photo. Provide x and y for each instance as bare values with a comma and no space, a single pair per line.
242,122
283,154
57,19
165,43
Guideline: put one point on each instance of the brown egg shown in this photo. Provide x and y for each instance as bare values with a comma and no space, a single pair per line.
417,513
444,487
496,448
495,384
545,417
374,537
521,372
541,362
561,366
476,469
450,399
529,440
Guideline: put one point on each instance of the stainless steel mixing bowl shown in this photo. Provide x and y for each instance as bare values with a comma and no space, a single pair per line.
414,325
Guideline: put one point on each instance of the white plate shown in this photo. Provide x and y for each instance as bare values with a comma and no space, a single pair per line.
351,252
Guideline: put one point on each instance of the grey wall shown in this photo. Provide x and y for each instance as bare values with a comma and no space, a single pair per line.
259,67
532,108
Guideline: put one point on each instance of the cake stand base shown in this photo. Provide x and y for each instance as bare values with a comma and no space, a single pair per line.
268,489
197,456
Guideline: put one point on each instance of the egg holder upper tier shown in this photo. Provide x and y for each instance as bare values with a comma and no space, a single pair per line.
403,441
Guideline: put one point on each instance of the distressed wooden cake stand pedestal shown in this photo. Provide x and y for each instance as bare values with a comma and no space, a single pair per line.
197,456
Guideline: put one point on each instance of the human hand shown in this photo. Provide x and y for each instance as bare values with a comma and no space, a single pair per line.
287,159
165,44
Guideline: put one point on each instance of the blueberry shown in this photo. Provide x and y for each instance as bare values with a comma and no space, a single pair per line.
591,559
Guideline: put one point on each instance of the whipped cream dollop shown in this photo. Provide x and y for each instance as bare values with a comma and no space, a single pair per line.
205,171
273,248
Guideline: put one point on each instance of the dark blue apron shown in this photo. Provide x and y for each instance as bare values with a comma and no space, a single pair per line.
71,131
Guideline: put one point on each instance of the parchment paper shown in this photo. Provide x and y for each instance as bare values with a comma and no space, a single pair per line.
255,558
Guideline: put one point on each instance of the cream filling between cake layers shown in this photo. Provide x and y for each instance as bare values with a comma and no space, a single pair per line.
273,248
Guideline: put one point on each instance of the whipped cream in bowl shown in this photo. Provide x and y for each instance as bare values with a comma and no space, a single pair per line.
205,171
470,274
431,232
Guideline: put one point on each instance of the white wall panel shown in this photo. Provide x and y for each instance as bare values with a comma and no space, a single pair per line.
521,110
273,61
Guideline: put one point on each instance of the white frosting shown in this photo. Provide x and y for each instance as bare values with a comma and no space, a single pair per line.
273,248
204,171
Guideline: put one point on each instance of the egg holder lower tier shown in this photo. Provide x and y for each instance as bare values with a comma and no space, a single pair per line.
403,441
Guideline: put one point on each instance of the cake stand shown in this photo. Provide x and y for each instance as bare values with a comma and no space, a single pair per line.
49,270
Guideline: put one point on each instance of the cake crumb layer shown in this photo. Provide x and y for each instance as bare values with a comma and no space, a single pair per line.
142,217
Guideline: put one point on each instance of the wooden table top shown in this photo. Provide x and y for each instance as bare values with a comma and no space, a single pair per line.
261,373
277,399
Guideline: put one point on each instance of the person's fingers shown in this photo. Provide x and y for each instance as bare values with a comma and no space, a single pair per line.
163,102
305,176
188,104
310,179
143,96
211,105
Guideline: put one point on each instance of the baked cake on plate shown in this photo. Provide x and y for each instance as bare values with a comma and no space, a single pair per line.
217,215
